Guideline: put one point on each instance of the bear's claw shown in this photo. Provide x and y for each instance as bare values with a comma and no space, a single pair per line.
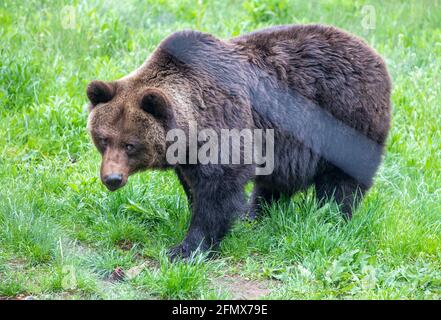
181,251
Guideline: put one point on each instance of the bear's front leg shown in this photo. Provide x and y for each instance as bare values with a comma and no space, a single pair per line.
217,200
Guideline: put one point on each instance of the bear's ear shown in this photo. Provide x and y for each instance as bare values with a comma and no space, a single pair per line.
154,102
100,92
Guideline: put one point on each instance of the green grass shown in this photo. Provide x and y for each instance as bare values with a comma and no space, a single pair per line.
62,234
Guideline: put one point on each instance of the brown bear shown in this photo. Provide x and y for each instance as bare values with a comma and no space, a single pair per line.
323,93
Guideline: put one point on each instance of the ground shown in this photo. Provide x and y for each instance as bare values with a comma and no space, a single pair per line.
62,235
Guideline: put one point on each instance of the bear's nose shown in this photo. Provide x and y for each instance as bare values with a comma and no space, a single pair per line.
113,180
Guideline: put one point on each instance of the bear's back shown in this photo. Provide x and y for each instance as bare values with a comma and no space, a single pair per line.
331,68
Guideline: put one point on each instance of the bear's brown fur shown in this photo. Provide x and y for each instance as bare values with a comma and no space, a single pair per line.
325,93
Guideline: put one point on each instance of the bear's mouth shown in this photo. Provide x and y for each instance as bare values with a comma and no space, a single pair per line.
110,188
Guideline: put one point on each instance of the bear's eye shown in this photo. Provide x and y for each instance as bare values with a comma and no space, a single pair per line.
104,142
130,147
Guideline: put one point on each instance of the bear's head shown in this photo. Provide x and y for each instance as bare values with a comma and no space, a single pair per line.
128,124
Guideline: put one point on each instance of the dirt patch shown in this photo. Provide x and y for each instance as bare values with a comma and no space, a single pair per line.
16,264
242,288
125,245
19,297
119,274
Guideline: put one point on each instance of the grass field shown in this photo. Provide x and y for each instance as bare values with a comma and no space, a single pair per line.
62,234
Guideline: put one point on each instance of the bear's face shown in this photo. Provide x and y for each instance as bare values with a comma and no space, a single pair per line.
127,123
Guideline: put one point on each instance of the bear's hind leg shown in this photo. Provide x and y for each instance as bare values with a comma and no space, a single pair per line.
261,195
345,190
